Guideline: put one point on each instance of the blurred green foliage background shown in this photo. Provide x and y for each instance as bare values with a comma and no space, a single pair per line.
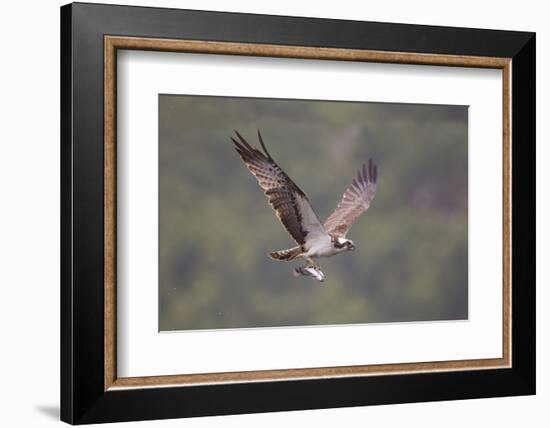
216,228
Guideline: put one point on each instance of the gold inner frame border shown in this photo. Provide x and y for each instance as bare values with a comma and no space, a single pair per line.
113,43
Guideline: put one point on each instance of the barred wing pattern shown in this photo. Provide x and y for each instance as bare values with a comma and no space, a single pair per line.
356,201
290,203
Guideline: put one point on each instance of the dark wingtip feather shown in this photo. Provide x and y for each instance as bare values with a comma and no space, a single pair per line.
240,137
365,175
370,169
245,143
251,152
235,143
240,149
263,145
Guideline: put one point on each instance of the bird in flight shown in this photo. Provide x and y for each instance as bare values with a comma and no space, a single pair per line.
294,210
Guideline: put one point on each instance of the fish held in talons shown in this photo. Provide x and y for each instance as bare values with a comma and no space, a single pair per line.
311,271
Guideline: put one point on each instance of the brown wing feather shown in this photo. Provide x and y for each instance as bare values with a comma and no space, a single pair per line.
355,201
289,202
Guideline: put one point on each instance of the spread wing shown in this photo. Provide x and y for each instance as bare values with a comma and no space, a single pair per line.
290,203
356,201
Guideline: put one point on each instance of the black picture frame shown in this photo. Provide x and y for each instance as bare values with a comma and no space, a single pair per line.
83,396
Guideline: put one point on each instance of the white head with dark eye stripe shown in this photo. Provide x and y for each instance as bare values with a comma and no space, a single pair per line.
343,244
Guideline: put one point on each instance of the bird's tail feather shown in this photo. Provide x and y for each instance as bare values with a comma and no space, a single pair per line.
286,255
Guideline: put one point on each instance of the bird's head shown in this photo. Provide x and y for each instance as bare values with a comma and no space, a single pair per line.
343,244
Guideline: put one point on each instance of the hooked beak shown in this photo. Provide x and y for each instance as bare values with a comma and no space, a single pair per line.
351,247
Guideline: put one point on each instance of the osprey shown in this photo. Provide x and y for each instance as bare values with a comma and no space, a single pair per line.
294,210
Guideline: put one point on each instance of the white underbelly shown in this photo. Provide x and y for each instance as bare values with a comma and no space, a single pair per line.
320,247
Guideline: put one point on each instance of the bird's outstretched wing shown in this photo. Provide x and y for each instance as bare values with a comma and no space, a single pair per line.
289,202
356,201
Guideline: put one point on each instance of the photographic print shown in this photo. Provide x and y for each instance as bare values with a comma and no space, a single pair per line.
297,199
285,212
